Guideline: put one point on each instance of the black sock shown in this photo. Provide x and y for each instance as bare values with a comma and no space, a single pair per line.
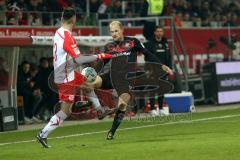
117,121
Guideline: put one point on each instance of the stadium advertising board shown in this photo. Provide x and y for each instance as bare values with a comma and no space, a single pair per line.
228,80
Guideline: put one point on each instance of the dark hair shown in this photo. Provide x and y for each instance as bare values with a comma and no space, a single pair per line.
43,59
68,14
158,27
24,62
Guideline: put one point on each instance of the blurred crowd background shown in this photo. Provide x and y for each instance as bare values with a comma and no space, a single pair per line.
188,13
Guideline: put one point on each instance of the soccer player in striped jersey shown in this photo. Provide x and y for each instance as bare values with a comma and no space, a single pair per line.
66,55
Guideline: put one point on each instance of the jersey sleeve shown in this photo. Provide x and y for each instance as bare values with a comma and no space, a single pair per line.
148,56
70,45
138,45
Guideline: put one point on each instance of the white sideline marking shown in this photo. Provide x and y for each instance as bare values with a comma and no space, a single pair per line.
123,129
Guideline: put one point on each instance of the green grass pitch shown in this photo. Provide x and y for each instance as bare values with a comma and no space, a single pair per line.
208,136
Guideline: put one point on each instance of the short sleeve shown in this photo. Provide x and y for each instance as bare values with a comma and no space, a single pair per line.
70,45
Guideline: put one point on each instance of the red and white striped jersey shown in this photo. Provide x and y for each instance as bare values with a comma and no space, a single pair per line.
65,49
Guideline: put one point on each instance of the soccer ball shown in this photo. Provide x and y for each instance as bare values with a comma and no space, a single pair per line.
89,73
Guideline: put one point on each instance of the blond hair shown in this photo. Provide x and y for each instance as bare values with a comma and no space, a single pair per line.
116,23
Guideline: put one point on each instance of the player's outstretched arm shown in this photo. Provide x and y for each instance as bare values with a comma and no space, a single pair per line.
70,46
90,58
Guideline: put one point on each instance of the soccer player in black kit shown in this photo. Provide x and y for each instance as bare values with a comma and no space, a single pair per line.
124,51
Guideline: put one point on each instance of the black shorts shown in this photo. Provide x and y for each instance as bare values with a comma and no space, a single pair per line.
121,86
106,81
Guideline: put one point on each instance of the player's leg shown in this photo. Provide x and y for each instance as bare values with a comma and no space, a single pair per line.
102,112
123,102
54,122
88,89
67,94
97,83
154,112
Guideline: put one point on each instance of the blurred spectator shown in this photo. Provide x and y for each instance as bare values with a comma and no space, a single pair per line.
35,5
63,3
42,83
186,17
11,20
23,79
178,19
152,7
36,95
186,20
129,14
216,21
230,19
31,95
233,20
205,22
180,6
42,76
196,21
81,4
22,20
159,47
94,6
236,19
116,9
53,5
81,20
3,9
35,19
3,74
103,7
17,5
205,11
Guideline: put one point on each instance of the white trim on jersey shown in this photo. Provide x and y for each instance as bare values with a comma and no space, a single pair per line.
63,61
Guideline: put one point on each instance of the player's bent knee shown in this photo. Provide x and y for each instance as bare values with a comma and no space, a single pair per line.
66,107
122,106
123,101
98,82
86,87
125,97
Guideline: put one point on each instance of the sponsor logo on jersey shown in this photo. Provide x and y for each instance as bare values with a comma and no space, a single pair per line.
122,54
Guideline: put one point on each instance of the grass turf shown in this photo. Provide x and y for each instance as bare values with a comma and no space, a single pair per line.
213,139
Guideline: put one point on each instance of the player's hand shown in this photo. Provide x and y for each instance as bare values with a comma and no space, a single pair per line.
104,56
167,69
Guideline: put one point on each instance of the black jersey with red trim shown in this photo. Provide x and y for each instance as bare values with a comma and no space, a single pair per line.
129,47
